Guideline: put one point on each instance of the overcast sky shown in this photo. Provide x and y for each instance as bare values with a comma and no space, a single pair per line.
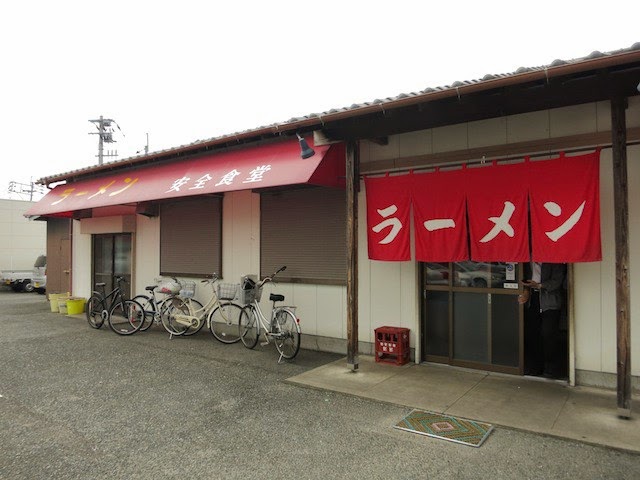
191,70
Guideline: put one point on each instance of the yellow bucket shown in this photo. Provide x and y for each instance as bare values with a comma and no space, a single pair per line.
54,300
62,304
75,305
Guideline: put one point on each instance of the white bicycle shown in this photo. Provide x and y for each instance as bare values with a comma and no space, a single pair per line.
283,327
222,317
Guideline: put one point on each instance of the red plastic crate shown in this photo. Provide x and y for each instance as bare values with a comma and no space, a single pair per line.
392,345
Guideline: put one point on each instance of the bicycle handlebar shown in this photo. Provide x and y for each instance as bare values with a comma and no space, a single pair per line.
214,277
269,278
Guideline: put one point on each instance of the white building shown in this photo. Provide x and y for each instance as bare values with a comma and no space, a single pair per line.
126,215
21,240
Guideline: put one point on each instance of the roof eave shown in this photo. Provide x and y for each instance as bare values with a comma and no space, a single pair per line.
314,120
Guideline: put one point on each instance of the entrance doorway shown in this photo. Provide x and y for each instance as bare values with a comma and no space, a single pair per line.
58,255
111,257
471,316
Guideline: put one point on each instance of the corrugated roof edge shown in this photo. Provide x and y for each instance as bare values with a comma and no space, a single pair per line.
521,75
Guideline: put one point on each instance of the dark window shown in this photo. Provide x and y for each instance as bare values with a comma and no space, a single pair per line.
305,230
191,237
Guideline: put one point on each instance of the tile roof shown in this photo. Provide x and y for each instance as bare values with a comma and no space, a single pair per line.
356,109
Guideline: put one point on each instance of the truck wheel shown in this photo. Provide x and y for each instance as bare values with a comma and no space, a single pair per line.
27,286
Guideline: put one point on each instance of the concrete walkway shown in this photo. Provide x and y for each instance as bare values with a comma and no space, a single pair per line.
546,407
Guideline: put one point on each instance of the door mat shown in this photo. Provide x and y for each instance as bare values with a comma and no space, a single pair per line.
445,427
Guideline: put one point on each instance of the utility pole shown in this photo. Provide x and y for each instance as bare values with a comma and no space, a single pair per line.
105,135
146,147
25,188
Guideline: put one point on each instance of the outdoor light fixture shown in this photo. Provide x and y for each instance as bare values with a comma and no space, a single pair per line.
305,150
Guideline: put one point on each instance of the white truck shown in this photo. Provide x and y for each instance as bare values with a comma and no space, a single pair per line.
23,280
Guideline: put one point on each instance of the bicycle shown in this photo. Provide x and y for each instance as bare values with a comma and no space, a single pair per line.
223,318
156,310
283,327
125,317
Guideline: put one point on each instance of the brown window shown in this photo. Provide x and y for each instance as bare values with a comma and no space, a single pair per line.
305,230
191,237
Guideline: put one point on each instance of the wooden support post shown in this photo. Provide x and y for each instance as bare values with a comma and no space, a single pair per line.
353,185
621,212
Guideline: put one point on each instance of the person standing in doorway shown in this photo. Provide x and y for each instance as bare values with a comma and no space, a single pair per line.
543,299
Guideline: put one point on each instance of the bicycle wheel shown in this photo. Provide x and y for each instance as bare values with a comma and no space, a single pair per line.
93,311
126,318
287,332
149,309
169,308
224,322
198,310
249,331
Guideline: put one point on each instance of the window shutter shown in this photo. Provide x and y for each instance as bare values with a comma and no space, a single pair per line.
191,237
306,231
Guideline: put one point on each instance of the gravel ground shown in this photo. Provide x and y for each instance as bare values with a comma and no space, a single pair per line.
79,403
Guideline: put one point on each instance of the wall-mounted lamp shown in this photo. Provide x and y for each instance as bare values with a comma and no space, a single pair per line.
638,87
305,150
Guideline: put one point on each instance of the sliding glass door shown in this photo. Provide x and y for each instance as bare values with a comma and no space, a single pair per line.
471,316
111,257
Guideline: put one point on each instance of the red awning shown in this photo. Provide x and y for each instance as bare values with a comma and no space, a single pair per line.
244,169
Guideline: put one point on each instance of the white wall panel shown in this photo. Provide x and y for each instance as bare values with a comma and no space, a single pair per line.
587,314
240,235
452,137
312,314
81,261
527,126
21,240
608,265
409,301
384,152
330,309
603,116
365,151
415,143
29,245
146,253
364,272
487,132
572,120
385,296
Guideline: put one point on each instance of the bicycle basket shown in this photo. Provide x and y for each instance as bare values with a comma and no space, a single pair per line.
188,289
227,291
249,292
169,288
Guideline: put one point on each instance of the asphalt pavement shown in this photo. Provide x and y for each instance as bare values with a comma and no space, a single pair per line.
80,403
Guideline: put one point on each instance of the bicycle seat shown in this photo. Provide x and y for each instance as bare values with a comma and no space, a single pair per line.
274,297
150,288
101,284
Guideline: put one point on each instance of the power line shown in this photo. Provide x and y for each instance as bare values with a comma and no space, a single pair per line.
25,189
105,133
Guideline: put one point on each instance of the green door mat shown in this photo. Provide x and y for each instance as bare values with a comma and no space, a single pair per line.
445,427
